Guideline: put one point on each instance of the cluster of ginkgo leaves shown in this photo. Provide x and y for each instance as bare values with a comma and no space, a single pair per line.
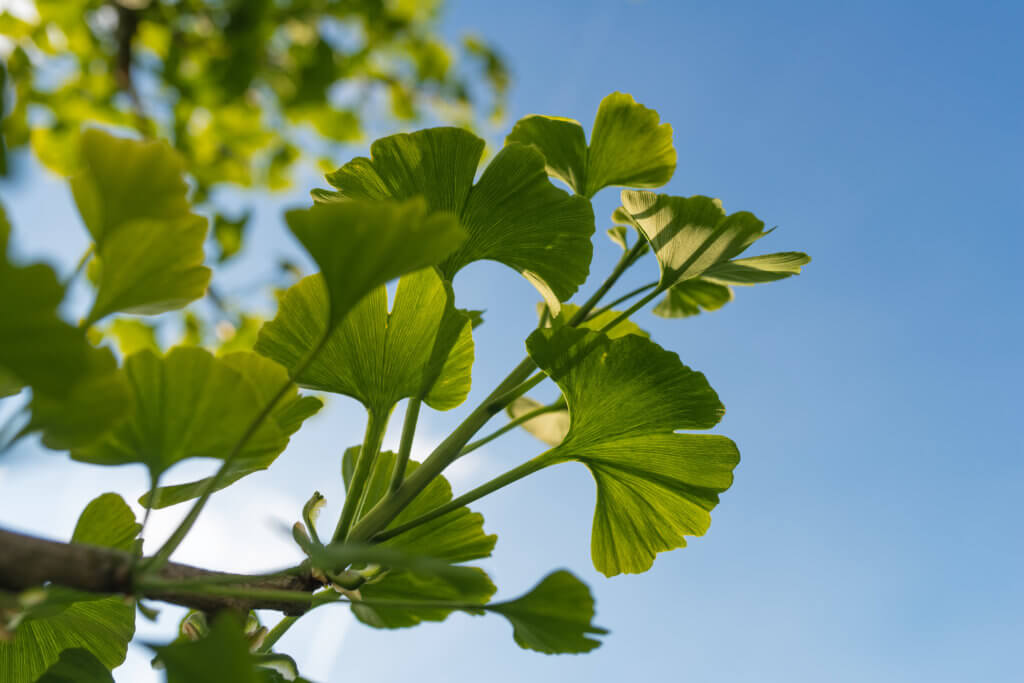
418,209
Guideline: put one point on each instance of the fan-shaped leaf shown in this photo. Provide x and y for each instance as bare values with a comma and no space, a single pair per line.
689,235
513,215
627,397
757,269
628,147
554,617
597,322
189,404
360,246
132,197
690,297
422,348
102,626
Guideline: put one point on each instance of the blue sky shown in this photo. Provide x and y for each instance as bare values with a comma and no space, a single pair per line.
873,529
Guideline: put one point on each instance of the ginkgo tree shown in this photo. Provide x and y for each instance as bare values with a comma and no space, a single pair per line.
418,209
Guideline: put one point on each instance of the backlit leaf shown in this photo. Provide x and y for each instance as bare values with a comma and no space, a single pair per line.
422,348
550,428
360,246
554,617
77,665
190,404
627,397
132,197
513,214
628,147
690,297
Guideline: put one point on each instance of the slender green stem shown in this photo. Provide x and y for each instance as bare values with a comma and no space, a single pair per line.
558,405
412,414
442,456
518,391
375,427
624,297
153,564
275,633
513,475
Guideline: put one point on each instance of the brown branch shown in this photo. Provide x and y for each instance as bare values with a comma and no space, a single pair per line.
27,562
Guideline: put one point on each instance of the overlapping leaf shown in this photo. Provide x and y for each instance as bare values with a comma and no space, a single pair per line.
513,214
596,322
360,246
190,404
549,427
627,397
423,348
77,665
690,297
627,147
132,197
78,393
102,626
455,537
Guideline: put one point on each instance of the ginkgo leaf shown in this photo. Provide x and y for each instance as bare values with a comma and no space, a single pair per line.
627,397
131,195
132,335
265,377
513,214
628,147
102,626
554,617
455,537
360,246
190,404
423,348
221,655
690,297
550,427
690,235
78,392
758,269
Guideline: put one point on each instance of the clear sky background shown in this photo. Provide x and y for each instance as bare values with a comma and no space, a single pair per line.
873,532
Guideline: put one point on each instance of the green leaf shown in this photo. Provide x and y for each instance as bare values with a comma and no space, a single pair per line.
132,198
265,377
690,235
102,626
107,522
690,297
513,215
222,655
627,397
628,147
97,402
758,269
77,665
555,617
550,428
190,405
422,348
360,246
455,537
229,234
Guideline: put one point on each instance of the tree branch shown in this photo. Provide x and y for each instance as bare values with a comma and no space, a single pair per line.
27,562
